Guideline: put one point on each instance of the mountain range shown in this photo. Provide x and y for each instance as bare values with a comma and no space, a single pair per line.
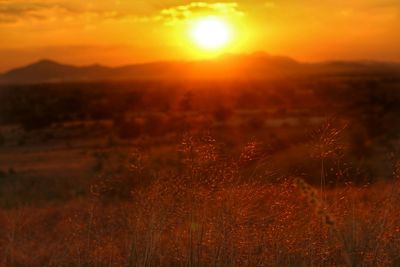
248,67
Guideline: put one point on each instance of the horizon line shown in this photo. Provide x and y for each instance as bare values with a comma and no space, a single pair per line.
221,56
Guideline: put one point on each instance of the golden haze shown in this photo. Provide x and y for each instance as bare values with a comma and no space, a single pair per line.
122,32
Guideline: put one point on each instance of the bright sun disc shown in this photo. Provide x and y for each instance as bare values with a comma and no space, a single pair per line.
211,33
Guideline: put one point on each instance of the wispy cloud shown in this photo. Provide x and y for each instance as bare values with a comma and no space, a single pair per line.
175,14
12,12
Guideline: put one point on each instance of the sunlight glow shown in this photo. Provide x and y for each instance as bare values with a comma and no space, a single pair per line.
211,33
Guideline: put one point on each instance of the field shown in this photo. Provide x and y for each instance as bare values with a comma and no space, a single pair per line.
289,172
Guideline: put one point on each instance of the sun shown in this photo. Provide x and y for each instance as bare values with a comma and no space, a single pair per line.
211,33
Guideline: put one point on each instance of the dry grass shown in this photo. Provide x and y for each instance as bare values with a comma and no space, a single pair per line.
205,212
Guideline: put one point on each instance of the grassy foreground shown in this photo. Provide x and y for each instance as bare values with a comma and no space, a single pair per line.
207,211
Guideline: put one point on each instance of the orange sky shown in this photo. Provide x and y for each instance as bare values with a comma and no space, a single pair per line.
116,32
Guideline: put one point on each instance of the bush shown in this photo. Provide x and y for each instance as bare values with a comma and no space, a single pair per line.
128,128
223,113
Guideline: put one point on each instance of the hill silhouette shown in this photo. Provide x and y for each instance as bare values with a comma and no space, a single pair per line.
255,66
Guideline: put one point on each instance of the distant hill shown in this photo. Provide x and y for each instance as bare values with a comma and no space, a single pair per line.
256,66
51,71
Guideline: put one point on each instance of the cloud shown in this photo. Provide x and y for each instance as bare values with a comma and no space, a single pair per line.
12,12
172,15
183,12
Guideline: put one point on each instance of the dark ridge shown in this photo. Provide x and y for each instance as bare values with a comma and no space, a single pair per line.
259,65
